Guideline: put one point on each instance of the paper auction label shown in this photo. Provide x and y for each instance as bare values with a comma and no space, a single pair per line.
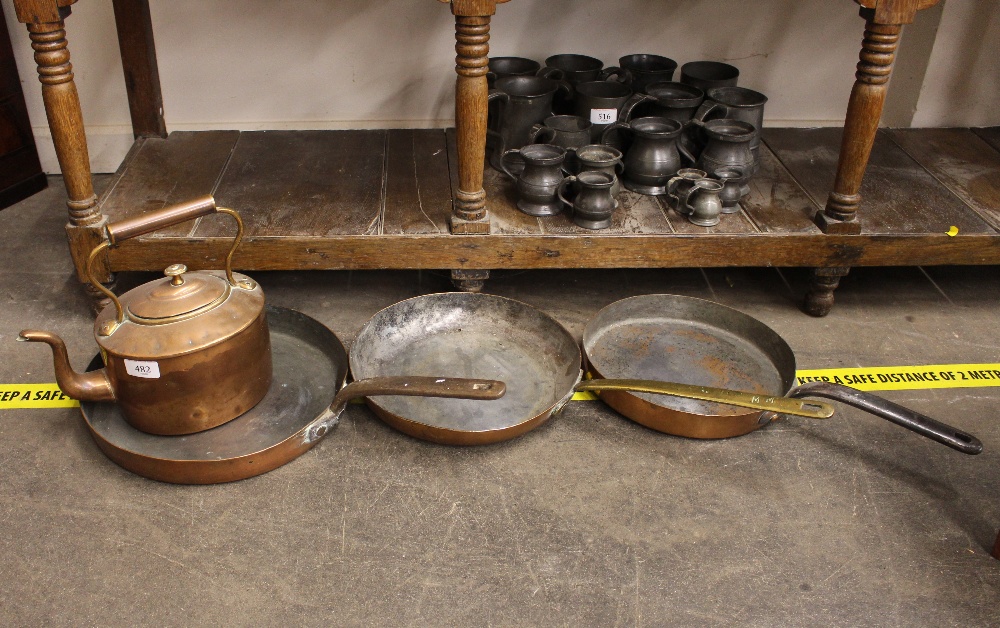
143,369
603,116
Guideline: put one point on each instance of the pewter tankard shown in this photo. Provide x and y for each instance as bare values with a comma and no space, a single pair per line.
600,158
734,187
594,204
503,67
676,101
653,157
538,183
645,69
703,204
576,69
524,102
565,131
728,146
601,103
736,103
708,74
680,186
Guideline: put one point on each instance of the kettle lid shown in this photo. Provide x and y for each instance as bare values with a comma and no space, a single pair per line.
179,314
178,295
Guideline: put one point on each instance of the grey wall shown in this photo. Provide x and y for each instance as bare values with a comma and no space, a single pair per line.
361,64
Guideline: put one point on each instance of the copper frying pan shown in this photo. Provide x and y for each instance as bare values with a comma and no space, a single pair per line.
489,337
700,342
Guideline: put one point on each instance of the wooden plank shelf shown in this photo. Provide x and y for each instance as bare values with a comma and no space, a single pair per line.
382,199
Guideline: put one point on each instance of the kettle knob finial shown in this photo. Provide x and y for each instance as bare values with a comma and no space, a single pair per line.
175,272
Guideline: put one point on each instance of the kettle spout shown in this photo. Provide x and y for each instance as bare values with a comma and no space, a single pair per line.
93,386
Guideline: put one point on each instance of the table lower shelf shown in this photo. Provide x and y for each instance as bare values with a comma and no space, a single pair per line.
382,199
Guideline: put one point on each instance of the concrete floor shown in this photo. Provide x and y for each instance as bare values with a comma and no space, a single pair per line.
590,520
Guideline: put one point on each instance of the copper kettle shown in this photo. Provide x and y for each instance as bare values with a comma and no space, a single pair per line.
182,354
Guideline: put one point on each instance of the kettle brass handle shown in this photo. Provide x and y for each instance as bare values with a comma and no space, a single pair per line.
130,228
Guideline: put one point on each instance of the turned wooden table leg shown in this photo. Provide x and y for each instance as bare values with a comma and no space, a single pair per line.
472,35
62,107
469,213
472,45
884,24
819,299
878,52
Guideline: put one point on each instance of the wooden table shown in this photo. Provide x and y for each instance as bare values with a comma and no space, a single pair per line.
423,199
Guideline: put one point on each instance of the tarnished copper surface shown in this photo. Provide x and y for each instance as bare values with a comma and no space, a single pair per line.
677,422
202,371
302,406
148,222
183,354
479,335
150,339
692,341
179,294
198,390
738,398
444,436
93,385
673,338
272,433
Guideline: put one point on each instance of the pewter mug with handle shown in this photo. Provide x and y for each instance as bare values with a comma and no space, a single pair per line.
676,101
708,74
598,157
703,203
653,157
680,186
565,131
594,204
600,102
734,187
524,102
728,146
538,184
644,69
735,103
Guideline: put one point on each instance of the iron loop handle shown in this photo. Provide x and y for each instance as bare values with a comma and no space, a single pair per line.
904,417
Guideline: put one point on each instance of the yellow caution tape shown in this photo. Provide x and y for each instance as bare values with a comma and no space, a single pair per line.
34,396
14,396
909,377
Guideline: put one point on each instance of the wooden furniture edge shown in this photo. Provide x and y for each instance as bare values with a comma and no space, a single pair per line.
829,251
